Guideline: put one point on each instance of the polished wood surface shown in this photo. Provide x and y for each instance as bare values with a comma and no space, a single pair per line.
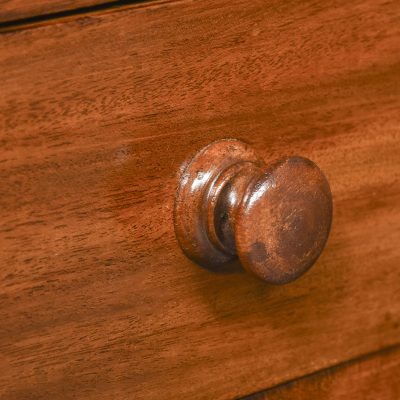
274,218
98,115
369,378
11,10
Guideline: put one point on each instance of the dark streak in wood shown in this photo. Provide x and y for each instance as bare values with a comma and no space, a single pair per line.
17,14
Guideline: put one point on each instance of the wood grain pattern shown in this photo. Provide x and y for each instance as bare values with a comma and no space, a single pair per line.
11,10
97,116
370,378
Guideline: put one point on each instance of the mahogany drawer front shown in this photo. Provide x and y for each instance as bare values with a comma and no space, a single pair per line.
99,114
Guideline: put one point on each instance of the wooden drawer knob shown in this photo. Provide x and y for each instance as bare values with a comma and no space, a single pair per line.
276,218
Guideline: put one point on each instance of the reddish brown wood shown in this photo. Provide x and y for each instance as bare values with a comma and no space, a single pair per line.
368,378
275,218
97,116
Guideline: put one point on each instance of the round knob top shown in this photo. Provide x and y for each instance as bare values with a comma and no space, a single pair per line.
283,220
275,218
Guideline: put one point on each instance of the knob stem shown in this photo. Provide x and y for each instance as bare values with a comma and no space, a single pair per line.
225,196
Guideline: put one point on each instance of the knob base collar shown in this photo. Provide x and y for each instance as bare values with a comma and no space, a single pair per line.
203,179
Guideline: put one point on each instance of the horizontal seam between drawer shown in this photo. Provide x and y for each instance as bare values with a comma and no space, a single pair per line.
336,366
67,15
